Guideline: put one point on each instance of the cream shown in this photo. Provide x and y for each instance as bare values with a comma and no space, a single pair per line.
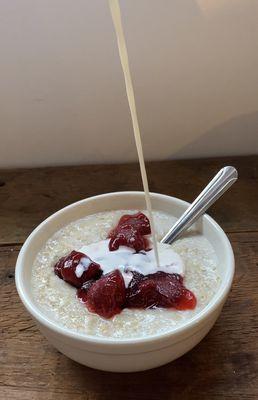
127,260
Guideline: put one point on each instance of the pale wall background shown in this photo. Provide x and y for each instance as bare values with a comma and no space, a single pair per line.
62,98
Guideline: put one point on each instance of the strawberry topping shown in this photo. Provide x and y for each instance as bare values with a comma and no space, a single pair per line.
76,268
130,231
106,297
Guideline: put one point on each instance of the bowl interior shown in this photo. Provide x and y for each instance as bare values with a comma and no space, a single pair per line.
115,201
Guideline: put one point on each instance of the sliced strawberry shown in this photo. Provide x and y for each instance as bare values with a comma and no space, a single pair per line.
130,232
83,291
139,221
76,268
187,301
159,290
106,297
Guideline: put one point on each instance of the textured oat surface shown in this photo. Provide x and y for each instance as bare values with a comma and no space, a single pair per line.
58,299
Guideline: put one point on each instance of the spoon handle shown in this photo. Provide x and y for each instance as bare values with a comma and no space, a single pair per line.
217,186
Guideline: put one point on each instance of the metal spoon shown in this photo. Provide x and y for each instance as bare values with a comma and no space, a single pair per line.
217,186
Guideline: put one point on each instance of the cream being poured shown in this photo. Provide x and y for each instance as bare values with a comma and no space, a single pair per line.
127,260
116,16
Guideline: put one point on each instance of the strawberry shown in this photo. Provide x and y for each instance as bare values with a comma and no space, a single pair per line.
77,268
159,290
130,232
106,297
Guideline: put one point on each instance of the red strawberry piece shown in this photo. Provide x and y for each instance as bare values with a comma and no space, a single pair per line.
76,268
159,290
130,232
106,297
138,221
82,292
187,301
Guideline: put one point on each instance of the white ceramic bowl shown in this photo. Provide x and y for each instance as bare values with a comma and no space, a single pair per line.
129,354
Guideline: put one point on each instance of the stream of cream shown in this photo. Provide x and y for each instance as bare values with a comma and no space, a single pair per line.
116,16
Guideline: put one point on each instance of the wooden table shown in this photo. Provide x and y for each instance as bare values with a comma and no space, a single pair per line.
223,366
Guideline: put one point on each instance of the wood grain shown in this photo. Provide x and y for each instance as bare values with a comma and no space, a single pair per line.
223,366
28,196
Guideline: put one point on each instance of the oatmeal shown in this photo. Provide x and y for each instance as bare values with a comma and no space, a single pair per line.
59,301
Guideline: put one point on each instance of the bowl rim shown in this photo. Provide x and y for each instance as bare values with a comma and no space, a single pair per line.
38,315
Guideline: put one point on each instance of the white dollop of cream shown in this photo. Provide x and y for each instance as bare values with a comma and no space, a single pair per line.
127,260
82,266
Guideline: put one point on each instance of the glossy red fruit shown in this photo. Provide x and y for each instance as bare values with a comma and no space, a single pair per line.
187,301
159,290
106,297
83,291
130,232
66,268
